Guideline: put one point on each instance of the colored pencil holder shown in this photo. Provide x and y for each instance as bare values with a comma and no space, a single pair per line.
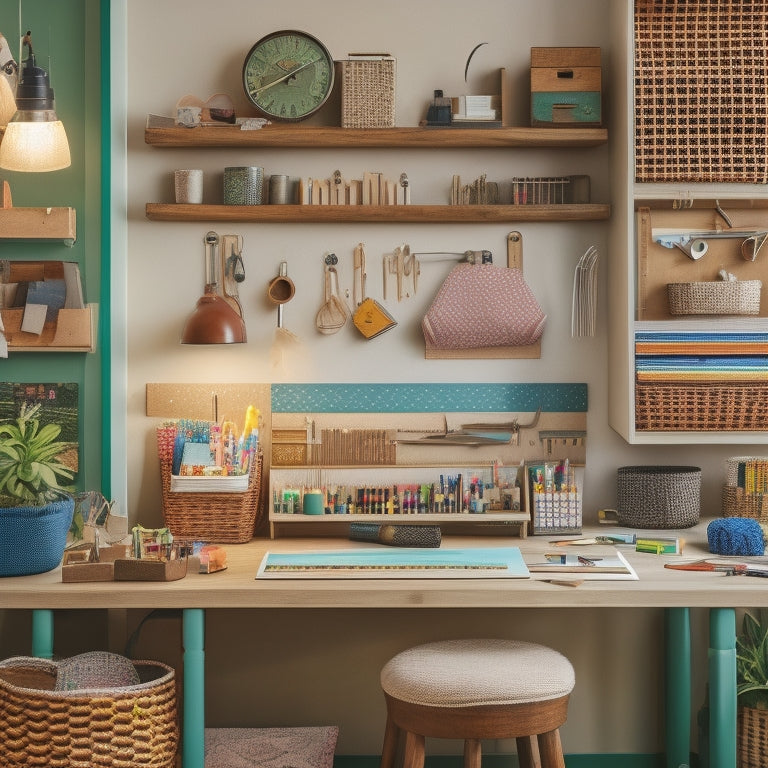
659,496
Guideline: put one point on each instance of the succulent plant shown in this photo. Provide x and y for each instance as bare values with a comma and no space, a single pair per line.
31,472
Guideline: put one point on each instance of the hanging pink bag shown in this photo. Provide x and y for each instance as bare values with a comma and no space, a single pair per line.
482,305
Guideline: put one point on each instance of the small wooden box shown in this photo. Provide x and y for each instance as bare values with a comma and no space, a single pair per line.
566,87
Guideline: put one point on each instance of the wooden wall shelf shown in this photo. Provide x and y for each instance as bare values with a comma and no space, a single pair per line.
38,224
314,137
333,214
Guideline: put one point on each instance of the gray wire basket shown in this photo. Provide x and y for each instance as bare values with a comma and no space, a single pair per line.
659,496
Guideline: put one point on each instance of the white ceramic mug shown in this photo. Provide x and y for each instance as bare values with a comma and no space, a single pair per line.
188,185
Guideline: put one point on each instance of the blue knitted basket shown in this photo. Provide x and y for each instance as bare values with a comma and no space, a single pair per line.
32,539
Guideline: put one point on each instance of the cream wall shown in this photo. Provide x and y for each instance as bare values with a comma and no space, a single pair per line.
178,47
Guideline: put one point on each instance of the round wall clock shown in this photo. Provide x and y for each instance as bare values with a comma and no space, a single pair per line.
288,75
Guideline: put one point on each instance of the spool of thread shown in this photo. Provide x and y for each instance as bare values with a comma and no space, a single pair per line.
741,536
313,503
281,190
243,185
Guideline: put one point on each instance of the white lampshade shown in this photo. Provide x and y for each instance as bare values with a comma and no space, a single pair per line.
35,145
7,102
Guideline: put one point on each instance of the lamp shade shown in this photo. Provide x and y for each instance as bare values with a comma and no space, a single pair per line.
34,145
213,322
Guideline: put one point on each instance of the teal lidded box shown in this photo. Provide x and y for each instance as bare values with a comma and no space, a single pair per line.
566,87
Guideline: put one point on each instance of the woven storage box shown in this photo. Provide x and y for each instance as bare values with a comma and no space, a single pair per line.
658,496
701,105
752,737
32,539
723,297
226,518
367,93
738,503
126,727
701,407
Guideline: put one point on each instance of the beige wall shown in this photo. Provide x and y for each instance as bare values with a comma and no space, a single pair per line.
308,667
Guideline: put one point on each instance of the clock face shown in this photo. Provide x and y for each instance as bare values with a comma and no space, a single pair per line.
288,75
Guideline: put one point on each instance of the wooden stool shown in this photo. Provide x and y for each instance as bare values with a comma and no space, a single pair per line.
473,690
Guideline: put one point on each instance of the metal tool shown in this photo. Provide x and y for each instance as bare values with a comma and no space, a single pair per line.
693,243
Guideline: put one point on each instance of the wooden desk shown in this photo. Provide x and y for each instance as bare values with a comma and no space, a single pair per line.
236,587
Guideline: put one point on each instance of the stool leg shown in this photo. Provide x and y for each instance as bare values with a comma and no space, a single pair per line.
414,750
389,749
527,752
551,750
472,753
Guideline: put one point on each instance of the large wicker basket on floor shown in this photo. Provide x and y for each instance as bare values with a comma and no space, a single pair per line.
752,737
225,518
128,727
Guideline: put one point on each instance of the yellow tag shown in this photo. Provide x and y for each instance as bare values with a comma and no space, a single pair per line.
371,319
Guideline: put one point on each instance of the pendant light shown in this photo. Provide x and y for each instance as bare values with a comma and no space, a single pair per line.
213,321
35,139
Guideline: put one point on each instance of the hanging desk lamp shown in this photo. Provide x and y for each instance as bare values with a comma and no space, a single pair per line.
213,320
35,139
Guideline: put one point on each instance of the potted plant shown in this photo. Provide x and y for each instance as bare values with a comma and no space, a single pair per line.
36,503
752,691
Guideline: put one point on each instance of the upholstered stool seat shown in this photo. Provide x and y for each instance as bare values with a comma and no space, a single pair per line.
473,690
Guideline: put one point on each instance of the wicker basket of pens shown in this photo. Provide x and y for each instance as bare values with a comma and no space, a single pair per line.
224,517
659,496
745,492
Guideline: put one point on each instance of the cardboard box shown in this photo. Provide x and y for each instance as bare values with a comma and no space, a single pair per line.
566,87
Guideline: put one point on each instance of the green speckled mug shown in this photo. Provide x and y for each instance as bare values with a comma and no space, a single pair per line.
243,185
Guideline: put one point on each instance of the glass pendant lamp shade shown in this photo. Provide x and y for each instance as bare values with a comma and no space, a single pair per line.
35,145
35,139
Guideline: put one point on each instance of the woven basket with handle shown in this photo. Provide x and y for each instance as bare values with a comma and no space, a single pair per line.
122,727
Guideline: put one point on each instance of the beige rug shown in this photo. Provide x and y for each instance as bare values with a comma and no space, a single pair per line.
311,747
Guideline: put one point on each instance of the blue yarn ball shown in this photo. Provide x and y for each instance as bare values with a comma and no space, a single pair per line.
735,536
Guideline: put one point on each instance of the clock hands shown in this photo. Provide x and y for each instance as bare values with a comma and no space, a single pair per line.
257,91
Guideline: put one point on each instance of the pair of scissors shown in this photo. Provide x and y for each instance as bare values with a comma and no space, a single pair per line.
729,569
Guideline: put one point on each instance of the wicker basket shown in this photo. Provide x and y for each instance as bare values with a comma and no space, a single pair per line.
701,106
125,727
658,496
367,93
752,737
701,407
738,503
225,518
723,297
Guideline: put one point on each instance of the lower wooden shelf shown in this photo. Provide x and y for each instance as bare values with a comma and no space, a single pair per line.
418,214
74,331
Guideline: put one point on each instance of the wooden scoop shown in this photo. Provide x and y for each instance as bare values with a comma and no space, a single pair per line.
332,316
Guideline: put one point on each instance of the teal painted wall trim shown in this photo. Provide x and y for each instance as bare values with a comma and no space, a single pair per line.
510,761
428,398
105,343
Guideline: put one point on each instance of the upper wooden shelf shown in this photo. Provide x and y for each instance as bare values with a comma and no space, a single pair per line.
314,137
420,214
38,224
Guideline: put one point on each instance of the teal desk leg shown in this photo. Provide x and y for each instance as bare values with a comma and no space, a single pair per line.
677,679
193,727
722,687
42,633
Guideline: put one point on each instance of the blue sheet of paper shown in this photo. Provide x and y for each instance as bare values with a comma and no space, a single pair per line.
396,563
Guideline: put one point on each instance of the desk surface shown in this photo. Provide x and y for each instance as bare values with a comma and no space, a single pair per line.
237,586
